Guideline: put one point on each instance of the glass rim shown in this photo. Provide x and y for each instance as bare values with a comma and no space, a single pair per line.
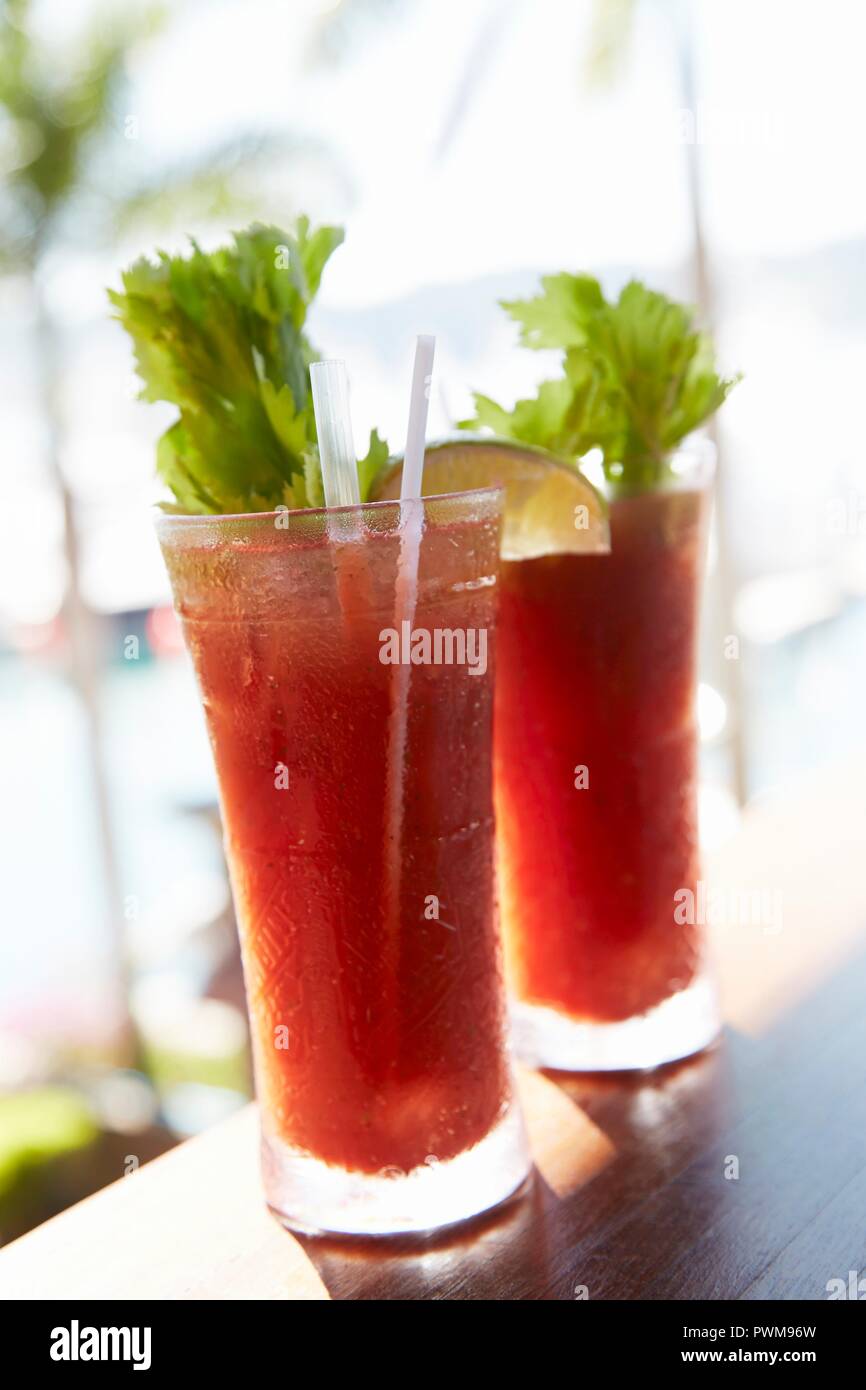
691,466
692,463
347,509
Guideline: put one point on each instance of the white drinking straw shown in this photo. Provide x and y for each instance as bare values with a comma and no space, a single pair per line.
330,383
330,387
412,517
405,602
419,402
411,506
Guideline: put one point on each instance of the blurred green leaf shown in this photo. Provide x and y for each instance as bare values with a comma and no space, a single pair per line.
57,109
371,464
60,111
610,36
38,1125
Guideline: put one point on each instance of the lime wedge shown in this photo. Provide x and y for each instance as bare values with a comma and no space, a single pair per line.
550,508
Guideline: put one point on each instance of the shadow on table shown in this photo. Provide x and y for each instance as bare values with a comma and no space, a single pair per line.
481,1259
538,1245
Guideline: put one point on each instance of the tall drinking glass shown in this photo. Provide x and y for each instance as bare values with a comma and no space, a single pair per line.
596,788
352,741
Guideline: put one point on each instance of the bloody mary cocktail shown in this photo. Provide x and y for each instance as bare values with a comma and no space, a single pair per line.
595,735
595,765
357,805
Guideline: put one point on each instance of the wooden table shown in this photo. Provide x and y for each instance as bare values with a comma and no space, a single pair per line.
634,1195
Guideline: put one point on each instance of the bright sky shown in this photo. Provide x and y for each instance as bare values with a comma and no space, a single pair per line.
540,171
471,146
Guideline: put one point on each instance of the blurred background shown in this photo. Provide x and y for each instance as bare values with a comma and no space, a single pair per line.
712,147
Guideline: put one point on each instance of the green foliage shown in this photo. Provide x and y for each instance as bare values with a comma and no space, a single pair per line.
638,377
53,110
557,317
221,337
371,464
68,166
567,417
610,36
39,1125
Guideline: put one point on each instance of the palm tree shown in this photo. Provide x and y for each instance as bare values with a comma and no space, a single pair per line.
59,122
612,31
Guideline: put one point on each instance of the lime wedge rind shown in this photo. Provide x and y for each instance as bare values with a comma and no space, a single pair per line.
550,507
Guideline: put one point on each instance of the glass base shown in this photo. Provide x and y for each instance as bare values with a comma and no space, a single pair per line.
685,1023
313,1197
